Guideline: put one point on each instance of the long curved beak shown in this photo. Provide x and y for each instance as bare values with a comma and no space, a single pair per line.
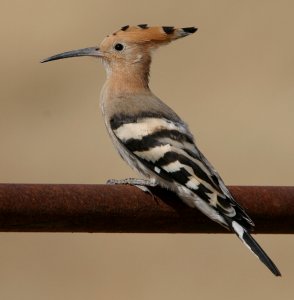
91,51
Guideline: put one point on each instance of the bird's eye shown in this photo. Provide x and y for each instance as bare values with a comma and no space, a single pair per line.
118,47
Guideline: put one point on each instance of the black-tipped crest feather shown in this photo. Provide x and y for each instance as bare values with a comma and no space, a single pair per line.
124,28
190,29
143,26
168,29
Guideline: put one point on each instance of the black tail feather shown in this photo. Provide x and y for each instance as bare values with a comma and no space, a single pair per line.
251,243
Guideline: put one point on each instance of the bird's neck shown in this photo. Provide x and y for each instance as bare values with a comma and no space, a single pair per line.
127,79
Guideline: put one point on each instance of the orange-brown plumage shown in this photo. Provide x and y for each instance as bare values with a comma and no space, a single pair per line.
130,66
156,34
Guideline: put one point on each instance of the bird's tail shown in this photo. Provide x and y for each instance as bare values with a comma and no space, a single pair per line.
253,246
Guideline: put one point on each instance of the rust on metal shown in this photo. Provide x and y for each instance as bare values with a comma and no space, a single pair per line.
108,208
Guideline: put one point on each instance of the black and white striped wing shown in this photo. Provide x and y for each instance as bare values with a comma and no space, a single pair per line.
166,148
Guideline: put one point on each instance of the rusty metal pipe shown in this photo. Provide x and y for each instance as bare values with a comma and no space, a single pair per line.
104,208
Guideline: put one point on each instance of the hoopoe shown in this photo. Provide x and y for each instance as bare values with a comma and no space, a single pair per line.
152,138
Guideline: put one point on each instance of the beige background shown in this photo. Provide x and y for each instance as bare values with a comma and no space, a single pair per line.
232,82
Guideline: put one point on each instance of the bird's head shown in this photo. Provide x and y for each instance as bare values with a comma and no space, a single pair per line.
130,45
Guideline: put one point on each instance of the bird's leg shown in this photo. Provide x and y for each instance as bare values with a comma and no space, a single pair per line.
142,184
132,181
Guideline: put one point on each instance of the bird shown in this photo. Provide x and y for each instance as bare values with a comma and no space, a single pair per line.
152,138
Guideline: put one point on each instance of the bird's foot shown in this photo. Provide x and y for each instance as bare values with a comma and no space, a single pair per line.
141,184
